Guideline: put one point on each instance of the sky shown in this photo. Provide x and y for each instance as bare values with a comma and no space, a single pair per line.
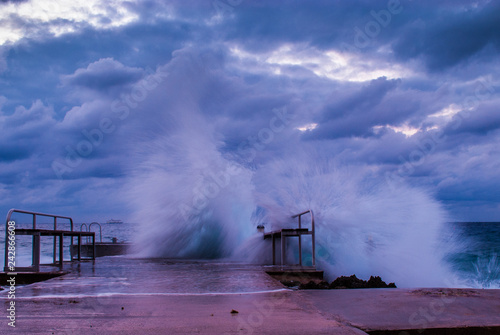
408,90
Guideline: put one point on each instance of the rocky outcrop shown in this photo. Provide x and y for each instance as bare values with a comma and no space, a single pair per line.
342,282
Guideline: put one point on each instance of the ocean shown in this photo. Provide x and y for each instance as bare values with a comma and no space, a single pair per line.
474,252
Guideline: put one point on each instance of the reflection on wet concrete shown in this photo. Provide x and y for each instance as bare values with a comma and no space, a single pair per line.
124,275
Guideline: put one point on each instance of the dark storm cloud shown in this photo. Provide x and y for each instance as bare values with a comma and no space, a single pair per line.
471,174
84,76
139,45
262,25
443,35
451,35
14,152
481,121
352,113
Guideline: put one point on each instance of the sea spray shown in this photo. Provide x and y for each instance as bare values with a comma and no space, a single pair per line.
363,226
196,197
472,249
184,212
192,202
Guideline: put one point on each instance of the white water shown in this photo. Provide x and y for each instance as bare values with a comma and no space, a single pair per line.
364,226
194,201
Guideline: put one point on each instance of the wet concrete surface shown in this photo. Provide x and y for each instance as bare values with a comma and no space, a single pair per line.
405,309
261,313
158,296
123,275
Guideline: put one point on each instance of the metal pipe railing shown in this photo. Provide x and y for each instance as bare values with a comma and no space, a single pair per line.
87,239
100,229
312,236
36,239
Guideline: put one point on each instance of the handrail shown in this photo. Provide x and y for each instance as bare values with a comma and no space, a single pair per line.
303,213
87,240
13,210
36,246
100,229
300,214
312,235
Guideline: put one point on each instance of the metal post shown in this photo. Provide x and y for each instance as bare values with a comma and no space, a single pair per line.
79,247
283,249
93,245
55,241
313,239
6,267
71,222
61,249
300,242
274,248
33,248
36,252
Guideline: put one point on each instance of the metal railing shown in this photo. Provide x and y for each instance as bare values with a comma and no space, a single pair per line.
285,233
87,229
36,233
100,229
312,236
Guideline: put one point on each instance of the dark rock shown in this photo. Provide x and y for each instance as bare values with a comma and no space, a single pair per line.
342,282
377,282
354,282
233,311
348,282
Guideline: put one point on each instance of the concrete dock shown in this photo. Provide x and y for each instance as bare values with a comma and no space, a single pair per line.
127,296
375,311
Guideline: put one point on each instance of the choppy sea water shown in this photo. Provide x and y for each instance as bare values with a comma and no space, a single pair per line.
471,249
473,252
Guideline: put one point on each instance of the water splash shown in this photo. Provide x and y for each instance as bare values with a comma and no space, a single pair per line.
194,202
195,197
364,226
472,251
487,272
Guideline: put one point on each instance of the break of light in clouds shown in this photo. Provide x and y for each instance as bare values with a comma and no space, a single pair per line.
407,89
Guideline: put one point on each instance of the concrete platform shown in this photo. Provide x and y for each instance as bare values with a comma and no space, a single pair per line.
416,311
374,311
118,295
265,313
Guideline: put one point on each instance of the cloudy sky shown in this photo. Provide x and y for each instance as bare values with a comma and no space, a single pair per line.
408,90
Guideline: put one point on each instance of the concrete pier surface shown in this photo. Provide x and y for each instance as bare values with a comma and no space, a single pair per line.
118,295
415,311
262,313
